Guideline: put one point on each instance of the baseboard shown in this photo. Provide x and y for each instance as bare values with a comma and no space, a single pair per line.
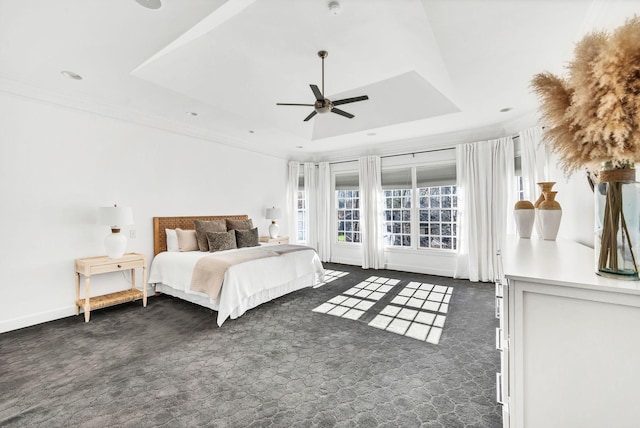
46,316
39,318
427,270
344,261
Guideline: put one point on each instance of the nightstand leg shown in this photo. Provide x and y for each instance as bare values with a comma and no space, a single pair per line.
144,285
77,292
87,307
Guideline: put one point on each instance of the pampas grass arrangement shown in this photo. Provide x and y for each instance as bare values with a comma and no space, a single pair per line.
592,117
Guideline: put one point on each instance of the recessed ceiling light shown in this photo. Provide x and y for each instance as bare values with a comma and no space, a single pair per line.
506,109
71,75
299,147
192,113
150,4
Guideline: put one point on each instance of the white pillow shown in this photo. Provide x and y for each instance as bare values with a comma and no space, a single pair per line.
172,240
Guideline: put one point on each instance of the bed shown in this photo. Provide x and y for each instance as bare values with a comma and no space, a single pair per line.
244,285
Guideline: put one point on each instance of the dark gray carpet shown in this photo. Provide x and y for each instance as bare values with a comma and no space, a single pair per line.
279,365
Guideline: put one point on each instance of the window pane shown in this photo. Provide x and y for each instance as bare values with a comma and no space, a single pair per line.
438,227
397,217
348,215
301,216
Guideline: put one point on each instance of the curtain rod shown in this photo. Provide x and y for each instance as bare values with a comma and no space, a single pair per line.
399,154
513,137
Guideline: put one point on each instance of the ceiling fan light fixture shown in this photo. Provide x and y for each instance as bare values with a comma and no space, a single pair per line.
323,106
334,8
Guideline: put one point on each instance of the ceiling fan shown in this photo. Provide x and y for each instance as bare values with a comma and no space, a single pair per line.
322,104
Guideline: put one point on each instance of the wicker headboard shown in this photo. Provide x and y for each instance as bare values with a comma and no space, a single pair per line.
162,223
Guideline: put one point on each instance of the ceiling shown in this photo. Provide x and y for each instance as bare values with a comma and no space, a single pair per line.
437,72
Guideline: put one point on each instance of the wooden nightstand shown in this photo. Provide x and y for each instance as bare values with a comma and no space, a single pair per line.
103,264
278,240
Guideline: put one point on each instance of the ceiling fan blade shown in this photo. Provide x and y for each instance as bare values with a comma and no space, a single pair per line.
313,113
342,113
289,104
317,92
350,100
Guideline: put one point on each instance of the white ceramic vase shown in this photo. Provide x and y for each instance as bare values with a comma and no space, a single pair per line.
549,215
545,186
524,214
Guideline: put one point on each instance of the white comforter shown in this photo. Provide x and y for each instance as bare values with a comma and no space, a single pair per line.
243,284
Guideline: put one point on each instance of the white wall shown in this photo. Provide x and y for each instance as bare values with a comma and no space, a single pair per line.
577,202
57,165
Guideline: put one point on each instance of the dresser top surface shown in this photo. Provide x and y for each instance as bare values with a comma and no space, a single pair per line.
560,262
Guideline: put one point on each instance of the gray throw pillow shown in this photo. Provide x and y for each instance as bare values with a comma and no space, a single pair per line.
239,224
203,226
220,241
247,238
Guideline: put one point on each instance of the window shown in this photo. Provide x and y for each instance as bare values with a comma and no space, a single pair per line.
519,188
302,216
397,192
397,216
437,207
348,203
519,182
348,207
438,211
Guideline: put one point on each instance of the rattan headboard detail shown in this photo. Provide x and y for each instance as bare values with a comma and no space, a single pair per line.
162,223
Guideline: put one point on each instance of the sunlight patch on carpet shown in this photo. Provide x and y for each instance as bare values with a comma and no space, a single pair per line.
416,312
354,302
329,276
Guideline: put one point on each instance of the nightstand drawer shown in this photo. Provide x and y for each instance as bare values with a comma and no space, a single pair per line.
116,266
278,241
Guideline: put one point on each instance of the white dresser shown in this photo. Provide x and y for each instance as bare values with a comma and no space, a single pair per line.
569,339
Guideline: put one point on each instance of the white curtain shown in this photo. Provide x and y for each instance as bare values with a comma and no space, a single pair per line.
485,179
371,212
292,200
311,200
535,161
323,211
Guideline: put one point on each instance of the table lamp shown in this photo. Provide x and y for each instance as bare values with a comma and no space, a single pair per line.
274,214
114,217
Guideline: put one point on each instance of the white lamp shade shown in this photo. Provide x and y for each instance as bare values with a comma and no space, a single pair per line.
115,216
274,213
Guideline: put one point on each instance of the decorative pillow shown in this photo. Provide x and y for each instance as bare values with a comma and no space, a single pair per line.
247,238
172,240
202,227
219,241
187,240
239,224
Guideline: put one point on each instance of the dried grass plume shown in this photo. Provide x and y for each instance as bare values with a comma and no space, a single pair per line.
593,115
